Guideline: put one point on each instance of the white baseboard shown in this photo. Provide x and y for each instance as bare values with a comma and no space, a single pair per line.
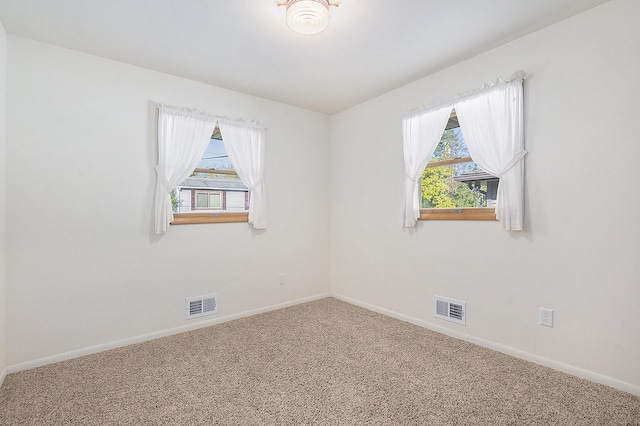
152,336
3,375
536,359
566,368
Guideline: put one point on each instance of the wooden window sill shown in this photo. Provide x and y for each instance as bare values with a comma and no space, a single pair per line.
470,213
222,217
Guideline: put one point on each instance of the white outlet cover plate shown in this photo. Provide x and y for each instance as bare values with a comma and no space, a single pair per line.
546,317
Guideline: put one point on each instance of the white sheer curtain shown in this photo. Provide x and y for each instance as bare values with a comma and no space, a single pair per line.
183,136
492,124
422,132
245,145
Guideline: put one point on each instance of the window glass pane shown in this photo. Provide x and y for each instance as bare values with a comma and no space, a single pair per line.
456,185
195,192
452,145
202,200
215,201
215,157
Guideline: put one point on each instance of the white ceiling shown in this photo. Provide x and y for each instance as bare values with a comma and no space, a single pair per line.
370,47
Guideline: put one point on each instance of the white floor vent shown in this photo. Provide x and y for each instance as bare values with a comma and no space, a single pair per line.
450,310
203,305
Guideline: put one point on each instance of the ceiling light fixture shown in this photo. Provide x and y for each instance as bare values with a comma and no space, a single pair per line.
307,16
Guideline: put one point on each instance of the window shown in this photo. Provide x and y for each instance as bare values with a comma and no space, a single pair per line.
492,119
183,135
207,200
214,192
453,186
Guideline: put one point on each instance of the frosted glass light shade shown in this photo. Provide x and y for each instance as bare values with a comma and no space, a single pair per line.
308,16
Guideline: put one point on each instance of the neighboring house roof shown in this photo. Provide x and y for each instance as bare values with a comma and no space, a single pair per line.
474,176
213,183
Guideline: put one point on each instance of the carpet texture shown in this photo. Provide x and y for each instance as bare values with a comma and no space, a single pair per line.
320,363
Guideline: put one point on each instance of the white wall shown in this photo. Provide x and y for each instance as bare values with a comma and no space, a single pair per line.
579,252
83,268
3,119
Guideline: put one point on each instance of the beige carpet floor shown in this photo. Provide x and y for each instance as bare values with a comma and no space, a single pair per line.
320,363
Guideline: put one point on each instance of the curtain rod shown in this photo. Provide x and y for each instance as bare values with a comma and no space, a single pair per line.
486,87
218,118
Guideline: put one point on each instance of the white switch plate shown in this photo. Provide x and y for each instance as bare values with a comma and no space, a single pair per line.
546,317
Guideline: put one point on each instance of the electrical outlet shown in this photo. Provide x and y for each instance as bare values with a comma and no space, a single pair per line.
281,279
546,317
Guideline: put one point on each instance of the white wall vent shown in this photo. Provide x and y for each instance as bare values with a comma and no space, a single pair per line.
450,310
202,305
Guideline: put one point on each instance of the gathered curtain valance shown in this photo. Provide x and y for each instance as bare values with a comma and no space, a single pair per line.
183,135
491,120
